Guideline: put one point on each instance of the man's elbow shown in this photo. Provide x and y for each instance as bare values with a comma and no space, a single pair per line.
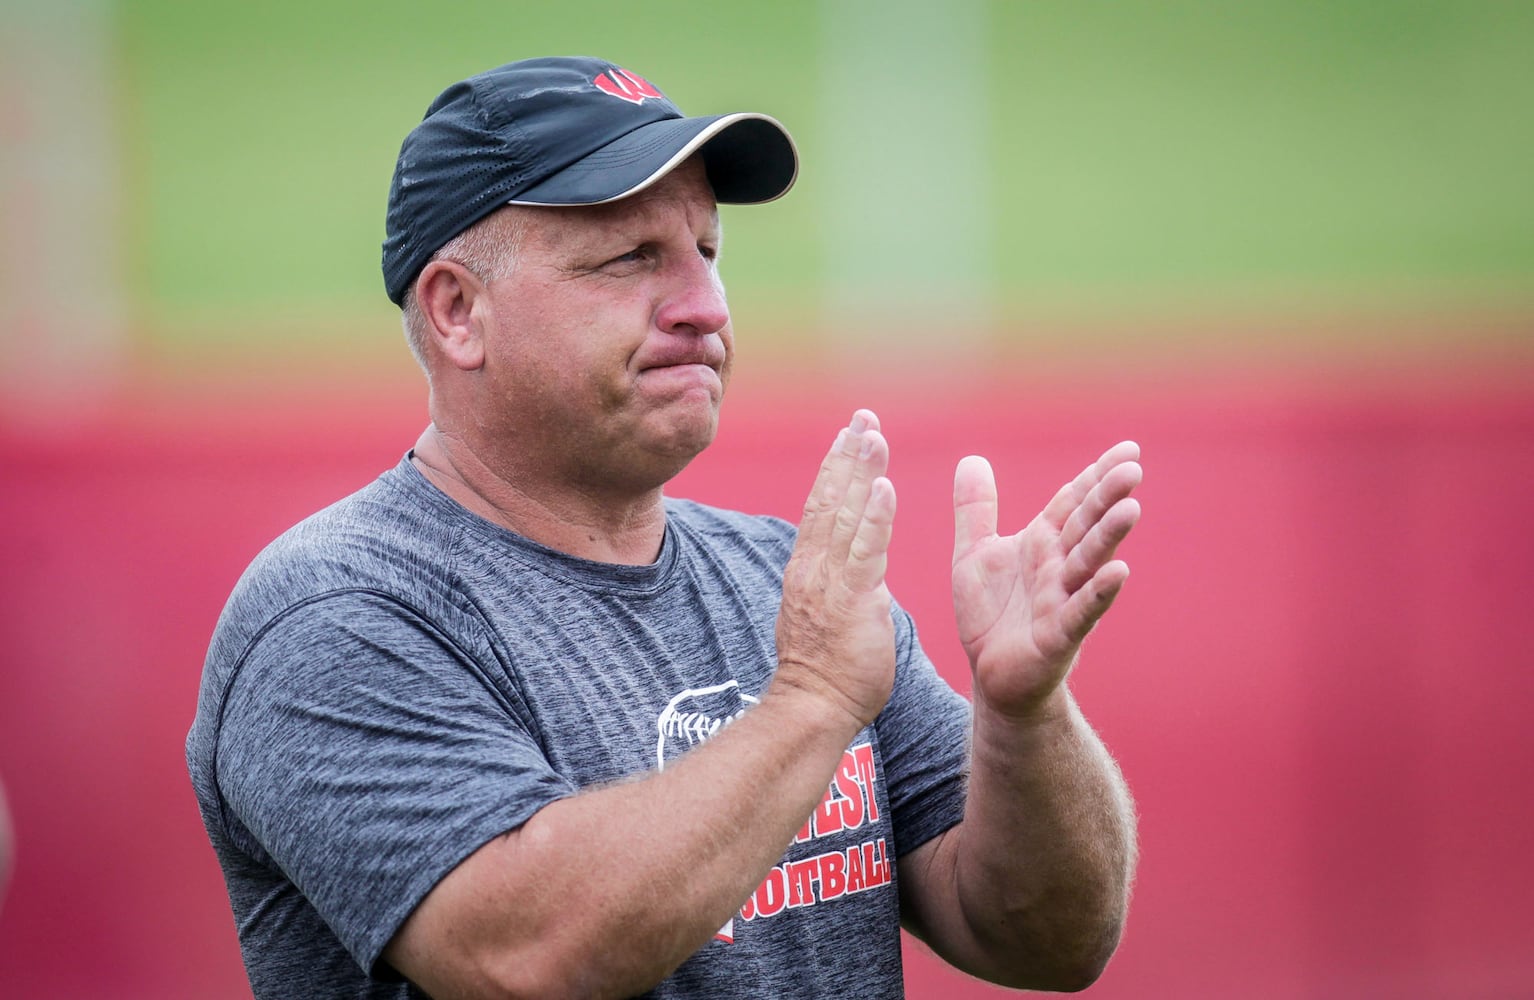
510,975
534,977
1060,962
560,967
1073,974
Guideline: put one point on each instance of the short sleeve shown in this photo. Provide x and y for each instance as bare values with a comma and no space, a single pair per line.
367,754
924,738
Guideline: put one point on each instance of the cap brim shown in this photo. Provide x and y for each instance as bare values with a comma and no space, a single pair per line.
750,158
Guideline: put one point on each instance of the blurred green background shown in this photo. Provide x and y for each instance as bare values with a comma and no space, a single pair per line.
988,173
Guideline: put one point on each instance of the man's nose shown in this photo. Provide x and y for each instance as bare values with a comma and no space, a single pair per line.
694,301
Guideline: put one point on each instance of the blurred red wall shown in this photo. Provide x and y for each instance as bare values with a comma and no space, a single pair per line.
1319,680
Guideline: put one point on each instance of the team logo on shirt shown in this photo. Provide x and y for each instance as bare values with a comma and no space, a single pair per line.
850,803
695,715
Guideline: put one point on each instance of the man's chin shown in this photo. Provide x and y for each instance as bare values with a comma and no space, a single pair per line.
684,438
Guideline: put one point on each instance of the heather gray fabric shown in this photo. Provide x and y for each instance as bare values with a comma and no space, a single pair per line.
396,681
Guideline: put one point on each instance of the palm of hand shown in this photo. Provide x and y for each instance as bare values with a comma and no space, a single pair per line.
1007,596
1025,602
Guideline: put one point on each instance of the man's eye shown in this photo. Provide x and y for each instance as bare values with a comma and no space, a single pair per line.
637,255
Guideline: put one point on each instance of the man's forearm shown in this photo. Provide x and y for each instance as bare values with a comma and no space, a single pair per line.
1046,790
1031,889
605,893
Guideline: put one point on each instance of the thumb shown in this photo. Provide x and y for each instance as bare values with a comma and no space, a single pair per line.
974,504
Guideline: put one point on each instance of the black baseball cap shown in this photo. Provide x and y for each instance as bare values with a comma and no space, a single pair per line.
563,130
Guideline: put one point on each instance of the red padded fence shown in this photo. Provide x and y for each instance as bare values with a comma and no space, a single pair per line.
1319,681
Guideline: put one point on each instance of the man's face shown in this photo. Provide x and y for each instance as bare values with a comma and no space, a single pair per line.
609,346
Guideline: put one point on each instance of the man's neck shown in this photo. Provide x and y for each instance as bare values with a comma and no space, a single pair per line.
603,528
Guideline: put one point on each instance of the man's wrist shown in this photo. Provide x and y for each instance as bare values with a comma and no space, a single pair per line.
820,706
1050,714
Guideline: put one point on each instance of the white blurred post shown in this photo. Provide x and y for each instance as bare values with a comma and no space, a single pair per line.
62,329
904,175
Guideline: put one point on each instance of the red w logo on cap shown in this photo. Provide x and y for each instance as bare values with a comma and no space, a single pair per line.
630,86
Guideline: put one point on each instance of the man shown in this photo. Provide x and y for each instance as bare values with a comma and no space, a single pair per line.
509,722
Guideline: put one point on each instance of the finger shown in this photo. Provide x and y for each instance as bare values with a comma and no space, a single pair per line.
868,555
872,463
1100,544
830,486
1116,484
1083,609
974,504
1074,492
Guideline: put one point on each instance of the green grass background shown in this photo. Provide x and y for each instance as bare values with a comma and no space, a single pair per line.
1173,159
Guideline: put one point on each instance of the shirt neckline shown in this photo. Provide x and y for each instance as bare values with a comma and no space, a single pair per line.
552,562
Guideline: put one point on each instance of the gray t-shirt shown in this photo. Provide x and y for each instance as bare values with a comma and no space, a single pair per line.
396,681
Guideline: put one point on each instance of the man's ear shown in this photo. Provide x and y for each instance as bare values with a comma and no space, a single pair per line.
446,292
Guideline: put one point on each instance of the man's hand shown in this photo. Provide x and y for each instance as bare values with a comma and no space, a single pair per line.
834,633
1025,602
